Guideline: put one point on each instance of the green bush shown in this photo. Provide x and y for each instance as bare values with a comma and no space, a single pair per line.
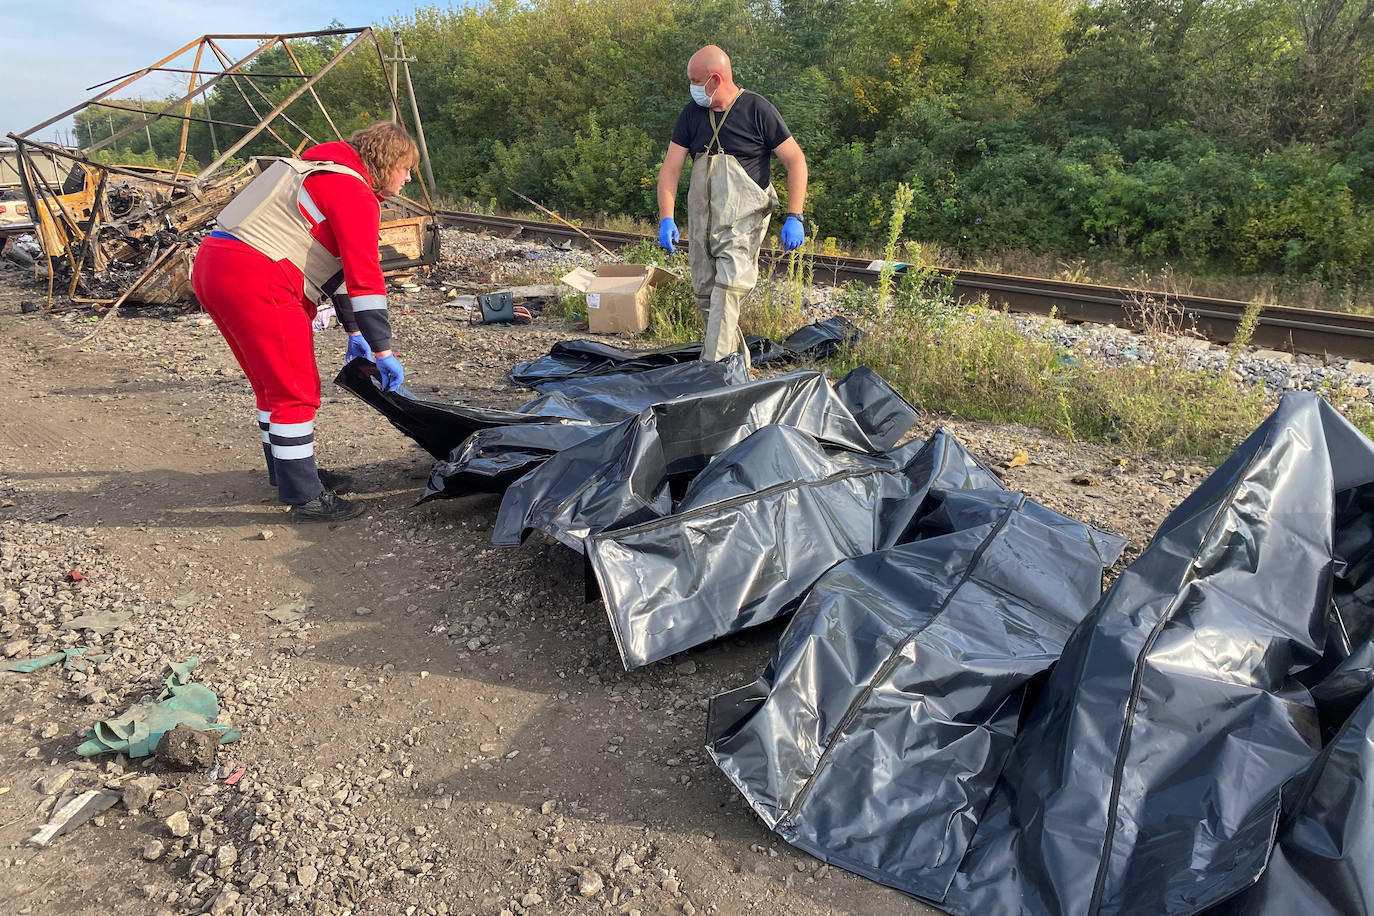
1143,131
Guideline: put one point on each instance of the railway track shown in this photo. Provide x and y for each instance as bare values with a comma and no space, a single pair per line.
1280,327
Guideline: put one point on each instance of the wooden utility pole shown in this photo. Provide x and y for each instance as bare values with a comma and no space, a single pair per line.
395,75
214,141
147,129
397,60
419,127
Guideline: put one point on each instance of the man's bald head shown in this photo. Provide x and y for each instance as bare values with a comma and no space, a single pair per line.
709,68
707,61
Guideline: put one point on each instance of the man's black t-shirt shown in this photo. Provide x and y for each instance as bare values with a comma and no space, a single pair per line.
752,131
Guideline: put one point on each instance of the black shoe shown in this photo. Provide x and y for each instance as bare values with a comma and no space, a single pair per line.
336,481
327,507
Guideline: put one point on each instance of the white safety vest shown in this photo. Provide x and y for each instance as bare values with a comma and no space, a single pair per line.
267,215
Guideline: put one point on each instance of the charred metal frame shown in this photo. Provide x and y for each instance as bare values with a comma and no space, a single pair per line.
72,234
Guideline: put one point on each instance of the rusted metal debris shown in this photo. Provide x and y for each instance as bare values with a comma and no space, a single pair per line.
120,234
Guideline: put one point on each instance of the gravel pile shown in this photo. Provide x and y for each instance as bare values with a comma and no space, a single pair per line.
472,259
1276,371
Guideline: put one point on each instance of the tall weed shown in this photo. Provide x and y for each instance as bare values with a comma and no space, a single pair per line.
1244,331
901,203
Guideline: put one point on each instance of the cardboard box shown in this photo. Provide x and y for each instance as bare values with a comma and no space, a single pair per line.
617,295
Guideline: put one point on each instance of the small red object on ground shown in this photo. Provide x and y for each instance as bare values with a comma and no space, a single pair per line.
235,777
76,575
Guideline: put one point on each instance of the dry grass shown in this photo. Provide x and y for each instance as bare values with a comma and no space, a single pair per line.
1361,413
1156,277
977,363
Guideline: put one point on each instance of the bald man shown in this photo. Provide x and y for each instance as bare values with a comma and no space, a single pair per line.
731,135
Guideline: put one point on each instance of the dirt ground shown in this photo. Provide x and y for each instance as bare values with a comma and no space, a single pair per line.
446,729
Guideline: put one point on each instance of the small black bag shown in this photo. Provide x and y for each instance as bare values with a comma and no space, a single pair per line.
496,308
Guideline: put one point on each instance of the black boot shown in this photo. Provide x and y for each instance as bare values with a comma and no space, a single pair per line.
327,507
336,481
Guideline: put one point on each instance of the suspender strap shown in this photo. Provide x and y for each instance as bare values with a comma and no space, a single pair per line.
715,128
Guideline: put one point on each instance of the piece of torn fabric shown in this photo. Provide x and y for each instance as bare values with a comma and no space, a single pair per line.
878,729
623,475
569,360
137,730
1190,743
758,527
73,659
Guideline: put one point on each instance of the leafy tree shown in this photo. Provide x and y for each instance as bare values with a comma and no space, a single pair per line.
1234,132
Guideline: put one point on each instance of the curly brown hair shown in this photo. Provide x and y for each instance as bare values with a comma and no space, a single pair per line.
384,146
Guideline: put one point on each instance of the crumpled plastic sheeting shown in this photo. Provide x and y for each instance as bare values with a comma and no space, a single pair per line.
757,528
72,659
573,359
622,476
570,360
821,339
1153,774
877,731
437,428
492,459
1321,863
441,428
612,398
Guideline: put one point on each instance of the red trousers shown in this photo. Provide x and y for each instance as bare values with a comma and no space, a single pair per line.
258,306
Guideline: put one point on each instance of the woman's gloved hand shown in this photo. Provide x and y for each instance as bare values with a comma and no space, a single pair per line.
793,234
357,346
667,234
391,371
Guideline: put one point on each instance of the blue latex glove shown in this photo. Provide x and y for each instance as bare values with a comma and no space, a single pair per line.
357,346
391,371
667,234
793,234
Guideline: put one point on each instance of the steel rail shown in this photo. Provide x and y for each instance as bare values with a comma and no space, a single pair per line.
1279,327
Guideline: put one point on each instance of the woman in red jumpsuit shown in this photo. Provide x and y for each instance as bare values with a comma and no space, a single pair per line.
304,231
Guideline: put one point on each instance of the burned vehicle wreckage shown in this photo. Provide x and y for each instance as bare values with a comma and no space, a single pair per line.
955,708
115,233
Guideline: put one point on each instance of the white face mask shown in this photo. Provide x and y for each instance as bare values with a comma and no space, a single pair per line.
699,95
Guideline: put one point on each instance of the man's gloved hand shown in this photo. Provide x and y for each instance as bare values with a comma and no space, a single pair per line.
357,346
793,234
667,234
391,371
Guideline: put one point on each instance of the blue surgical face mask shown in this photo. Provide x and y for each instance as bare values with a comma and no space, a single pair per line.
699,95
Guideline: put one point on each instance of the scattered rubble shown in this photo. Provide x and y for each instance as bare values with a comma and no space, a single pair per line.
120,233
186,748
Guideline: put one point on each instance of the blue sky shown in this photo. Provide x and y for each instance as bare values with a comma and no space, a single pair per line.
55,49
